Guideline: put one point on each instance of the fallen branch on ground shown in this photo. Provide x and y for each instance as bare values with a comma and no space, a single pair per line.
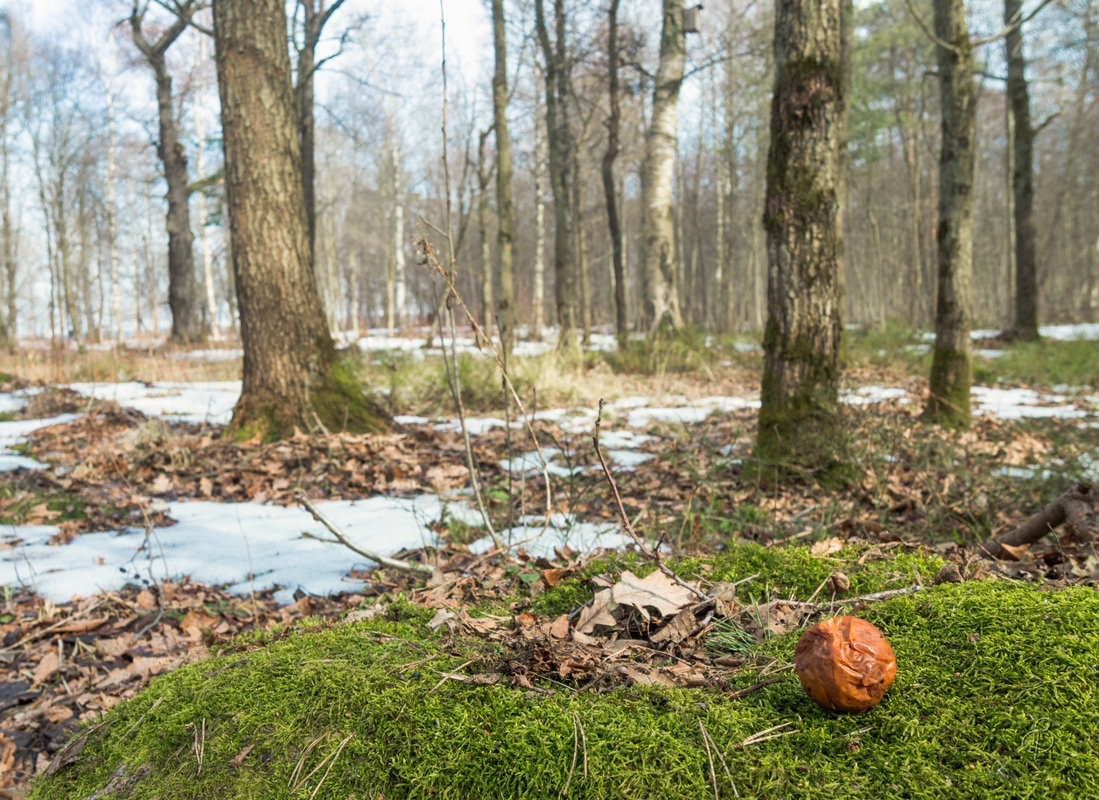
1070,509
386,561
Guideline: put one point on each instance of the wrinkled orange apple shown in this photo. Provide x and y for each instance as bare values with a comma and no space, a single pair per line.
845,664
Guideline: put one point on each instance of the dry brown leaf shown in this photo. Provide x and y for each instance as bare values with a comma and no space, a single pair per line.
825,547
560,627
598,613
655,590
239,757
46,667
681,626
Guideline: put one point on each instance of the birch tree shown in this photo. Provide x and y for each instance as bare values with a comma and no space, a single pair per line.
659,267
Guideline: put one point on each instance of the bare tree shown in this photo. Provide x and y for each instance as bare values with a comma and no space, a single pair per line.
659,268
562,175
292,377
182,290
1022,143
505,212
951,368
610,193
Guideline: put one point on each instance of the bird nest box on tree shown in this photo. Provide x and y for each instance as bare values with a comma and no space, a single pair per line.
691,18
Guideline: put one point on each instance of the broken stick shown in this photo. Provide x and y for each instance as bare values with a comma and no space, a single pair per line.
404,566
1071,507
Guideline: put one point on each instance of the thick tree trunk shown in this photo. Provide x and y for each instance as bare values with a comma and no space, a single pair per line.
182,299
951,369
291,375
505,211
657,178
559,133
1026,250
799,419
610,193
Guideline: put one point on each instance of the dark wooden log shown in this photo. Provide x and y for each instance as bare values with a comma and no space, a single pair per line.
1071,507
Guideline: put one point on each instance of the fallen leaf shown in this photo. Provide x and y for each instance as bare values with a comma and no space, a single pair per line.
825,547
681,626
598,613
560,627
442,617
46,667
655,590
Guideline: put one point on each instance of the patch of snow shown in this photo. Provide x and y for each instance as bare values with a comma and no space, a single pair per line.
628,459
539,539
213,354
867,395
246,546
1021,403
986,353
15,432
175,401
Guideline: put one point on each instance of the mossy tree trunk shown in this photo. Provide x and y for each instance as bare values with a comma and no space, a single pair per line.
291,374
560,140
1026,250
505,208
183,301
951,368
799,418
661,300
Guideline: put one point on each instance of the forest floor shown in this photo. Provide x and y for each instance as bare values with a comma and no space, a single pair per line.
138,542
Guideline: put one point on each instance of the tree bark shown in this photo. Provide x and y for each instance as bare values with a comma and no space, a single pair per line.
1026,249
538,291
806,178
610,194
659,266
951,368
559,134
200,165
291,375
182,299
505,207
483,177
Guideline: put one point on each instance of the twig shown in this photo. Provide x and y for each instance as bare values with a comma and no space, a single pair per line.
130,730
332,761
709,756
755,687
763,736
449,675
721,758
431,259
575,750
394,563
641,546
294,784
859,599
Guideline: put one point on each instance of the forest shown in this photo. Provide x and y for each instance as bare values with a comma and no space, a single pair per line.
531,398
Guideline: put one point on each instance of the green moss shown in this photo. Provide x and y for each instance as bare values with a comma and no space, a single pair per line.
782,571
341,404
951,377
997,696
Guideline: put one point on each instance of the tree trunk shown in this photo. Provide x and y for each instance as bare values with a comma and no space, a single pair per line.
559,133
799,419
200,165
182,300
1026,251
610,194
505,211
483,177
951,369
657,178
400,279
291,375
538,292
112,216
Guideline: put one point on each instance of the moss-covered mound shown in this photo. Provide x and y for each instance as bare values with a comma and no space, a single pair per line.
997,696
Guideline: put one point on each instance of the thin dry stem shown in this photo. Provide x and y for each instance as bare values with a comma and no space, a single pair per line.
641,546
